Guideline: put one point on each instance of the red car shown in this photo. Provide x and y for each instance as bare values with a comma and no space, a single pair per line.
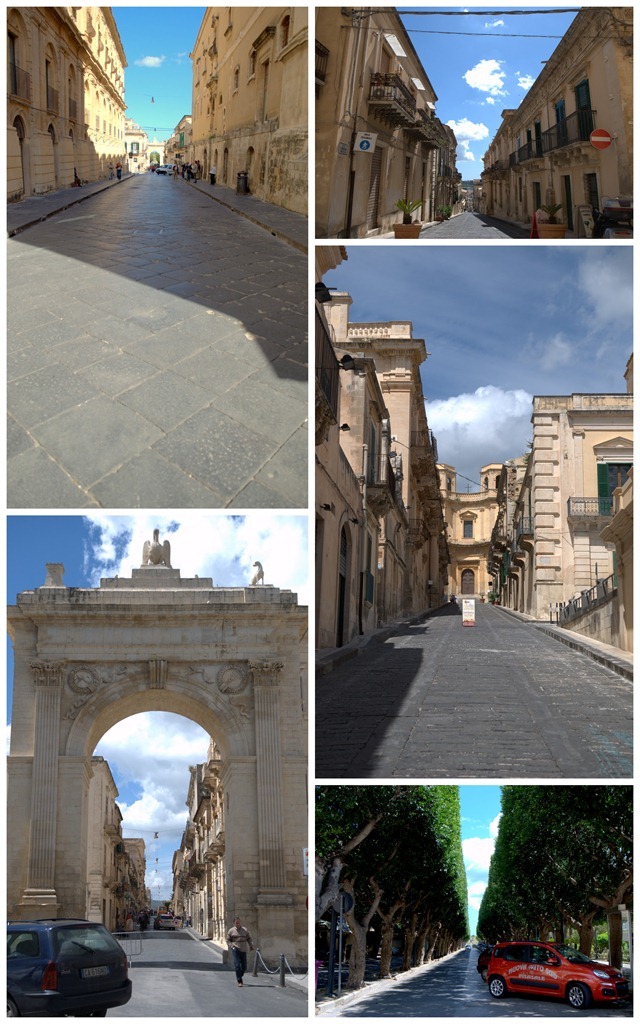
546,969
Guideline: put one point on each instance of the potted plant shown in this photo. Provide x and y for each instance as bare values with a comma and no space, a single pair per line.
551,227
408,229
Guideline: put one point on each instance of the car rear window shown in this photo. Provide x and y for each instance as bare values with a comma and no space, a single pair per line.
518,953
68,941
22,944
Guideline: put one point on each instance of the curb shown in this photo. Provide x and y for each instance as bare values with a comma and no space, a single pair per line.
66,206
328,662
276,232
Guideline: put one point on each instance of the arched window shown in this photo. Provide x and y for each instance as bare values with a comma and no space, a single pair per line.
252,64
285,25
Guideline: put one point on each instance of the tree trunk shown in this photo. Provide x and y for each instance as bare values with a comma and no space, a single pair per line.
615,939
386,949
421,939
359,930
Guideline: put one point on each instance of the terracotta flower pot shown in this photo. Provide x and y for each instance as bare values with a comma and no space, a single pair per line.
407,230
552,230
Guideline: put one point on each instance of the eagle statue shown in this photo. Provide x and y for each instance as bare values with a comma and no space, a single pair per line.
155,553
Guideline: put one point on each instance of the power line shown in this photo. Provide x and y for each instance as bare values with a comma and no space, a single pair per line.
501,35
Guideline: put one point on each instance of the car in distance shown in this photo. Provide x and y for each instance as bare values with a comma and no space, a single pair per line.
164,169
553,969
57,968
164,921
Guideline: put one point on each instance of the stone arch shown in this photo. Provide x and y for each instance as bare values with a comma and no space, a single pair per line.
24,147
344,574
55,154
467,582
230,659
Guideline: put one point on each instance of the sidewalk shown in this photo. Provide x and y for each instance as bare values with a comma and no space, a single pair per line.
329,658
300,981
35,209
289,227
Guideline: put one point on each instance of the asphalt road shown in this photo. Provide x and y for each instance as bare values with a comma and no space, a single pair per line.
157,356
179,976
453,988
496,700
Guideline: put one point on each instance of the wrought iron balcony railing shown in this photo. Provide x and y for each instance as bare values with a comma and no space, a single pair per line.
327,369
577,127
322,56
580,508
19,82
392,99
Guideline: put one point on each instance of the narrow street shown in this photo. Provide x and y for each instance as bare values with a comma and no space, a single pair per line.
497,700
157,356
452,987
177,975
473,225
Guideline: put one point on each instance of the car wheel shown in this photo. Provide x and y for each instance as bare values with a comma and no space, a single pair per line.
578,996
497,987
484,973
12,1009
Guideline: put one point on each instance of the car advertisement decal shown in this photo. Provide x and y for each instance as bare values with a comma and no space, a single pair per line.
533,975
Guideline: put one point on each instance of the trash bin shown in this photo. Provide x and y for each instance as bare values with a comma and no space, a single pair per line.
212,177
243,183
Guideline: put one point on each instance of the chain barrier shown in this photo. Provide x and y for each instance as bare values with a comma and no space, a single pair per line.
280,969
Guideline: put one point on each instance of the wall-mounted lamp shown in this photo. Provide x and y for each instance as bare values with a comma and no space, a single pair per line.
347,363
322,292
345,426
355,521
326,508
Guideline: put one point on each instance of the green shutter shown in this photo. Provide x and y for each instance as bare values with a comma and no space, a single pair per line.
603,480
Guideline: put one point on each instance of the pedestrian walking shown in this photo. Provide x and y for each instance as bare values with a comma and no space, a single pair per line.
238,939
128,925
110,171
119,170
175,170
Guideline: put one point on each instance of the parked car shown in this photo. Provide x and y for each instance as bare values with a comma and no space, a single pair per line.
553,969
64,967
483,961
164,921
164,169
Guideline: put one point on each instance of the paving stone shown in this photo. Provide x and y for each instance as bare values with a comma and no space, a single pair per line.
166,399
45,393
256,403
18,440
117,373
149,481
35,481
26,360
216,371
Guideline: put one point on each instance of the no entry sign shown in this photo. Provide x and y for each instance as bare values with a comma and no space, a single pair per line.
600,138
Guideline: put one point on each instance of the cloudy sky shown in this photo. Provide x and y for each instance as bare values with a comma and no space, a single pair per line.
480,817
149,754
501,324
480,65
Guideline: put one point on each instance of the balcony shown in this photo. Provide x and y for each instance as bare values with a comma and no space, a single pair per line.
575,128
19,82
381,492
589,511
391,100
327,381
322,57
524,529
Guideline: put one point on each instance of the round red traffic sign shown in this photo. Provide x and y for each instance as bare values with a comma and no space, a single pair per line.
600,138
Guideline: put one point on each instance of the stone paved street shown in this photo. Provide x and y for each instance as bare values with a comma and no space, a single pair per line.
473,225
157,356
497,700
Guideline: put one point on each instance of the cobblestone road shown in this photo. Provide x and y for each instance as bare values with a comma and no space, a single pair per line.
157,356
474,225
497,700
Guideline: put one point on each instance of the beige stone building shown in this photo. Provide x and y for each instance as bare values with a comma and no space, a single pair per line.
179,144
470,518
555,543
136,143
231,659
378,139
199,889
542,152
381,551
65,104
249,103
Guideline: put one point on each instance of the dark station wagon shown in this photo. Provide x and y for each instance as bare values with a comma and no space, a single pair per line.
61,968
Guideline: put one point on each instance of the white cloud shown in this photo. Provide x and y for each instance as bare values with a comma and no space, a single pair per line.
223,547
475,892
525,81
605,281
487,76
150,62
464,129
554,352
490,101
477,854
494,24
490,425
495,825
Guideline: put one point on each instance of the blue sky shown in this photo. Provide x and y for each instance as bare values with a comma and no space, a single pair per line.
157,42
487,66
501,324
479,814
149,754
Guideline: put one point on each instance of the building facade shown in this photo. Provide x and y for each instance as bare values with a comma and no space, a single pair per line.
65,109
542,153
378,139
136,143
180,142
231,659
249,100
381,550
470,517
554,546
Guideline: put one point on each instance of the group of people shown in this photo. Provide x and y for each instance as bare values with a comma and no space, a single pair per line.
190,172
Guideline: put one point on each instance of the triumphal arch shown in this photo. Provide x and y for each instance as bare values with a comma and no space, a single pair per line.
232,659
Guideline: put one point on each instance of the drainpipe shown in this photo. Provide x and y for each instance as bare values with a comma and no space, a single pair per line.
363,543
357,22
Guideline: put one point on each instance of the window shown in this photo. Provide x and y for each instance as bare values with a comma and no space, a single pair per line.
252,64
236,78
467,529
284,31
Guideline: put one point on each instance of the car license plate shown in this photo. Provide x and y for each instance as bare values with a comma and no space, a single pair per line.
94,972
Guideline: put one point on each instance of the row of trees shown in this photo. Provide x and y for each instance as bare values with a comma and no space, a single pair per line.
562,859
397,851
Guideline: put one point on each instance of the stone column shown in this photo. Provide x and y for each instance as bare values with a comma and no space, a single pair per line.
269,774
40,890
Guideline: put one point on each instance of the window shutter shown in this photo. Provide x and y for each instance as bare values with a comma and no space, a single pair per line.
603,480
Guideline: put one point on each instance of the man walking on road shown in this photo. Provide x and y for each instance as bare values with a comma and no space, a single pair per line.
238,939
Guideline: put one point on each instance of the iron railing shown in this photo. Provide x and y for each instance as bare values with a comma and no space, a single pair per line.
73,110
577,127
327,368
322,56
596,595
578,508
53,99
19,82
390,91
